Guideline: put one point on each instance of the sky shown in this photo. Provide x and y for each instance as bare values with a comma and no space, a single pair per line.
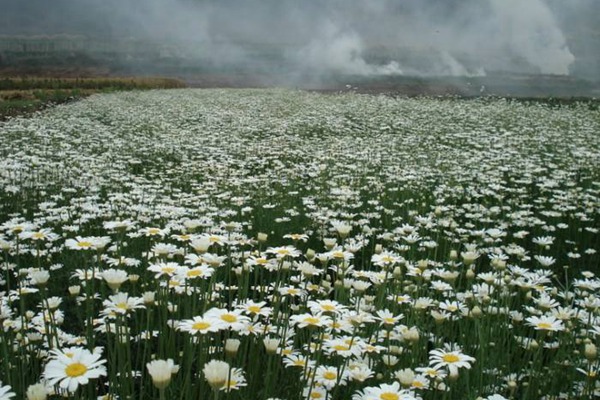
363,37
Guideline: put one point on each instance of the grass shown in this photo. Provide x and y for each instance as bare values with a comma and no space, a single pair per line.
22,95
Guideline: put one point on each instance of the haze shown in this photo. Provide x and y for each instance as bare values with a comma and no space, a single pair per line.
359,37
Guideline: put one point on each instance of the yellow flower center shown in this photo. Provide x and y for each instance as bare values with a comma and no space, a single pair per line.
417,384
38,235
329,375
337,254
232,383
254,309
389,396
312,320
283,252
261,261
200,326
84,244
231,318
328,307
341,347
195,272
122,306
544,325
153,231
316,395
76,369
450,358
389,320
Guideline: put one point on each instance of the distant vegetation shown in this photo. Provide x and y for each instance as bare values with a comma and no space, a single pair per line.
28,94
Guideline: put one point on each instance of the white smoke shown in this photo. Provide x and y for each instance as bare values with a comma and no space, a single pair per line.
492,35
422,37
450,66
340,52
529,29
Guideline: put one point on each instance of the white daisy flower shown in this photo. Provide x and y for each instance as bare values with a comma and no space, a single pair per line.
73,368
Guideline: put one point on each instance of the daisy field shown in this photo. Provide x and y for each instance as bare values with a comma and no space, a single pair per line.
281,244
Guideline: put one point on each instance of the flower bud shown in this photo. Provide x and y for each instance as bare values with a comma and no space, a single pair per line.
329,243
590,352
453,255
406,377
161,371
149,298
40,278
74,290
411,335
37,391
216,373
470,274
499,264
378,248
232,346
476,312
390,360
271,345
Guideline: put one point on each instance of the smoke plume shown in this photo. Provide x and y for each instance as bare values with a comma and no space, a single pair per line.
356,37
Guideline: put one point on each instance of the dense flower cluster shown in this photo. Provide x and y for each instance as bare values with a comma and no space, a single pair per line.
283,244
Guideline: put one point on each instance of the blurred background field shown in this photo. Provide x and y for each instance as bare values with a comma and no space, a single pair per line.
20,95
